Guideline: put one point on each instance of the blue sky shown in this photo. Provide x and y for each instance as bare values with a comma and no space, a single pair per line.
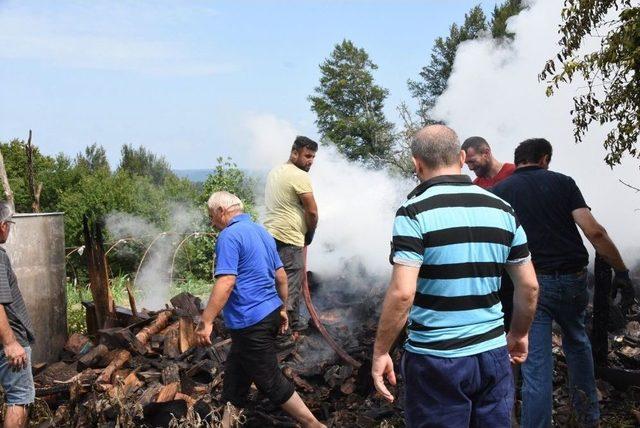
183,78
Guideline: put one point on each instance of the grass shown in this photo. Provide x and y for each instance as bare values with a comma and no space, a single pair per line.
76,294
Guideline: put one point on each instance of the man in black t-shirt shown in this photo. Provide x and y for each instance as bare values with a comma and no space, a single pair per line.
550,208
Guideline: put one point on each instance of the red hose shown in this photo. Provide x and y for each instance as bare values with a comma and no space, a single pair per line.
316,319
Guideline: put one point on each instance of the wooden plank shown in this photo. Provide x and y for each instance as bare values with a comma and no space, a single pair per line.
172,343
91,358
187,334
98,276
168,392
120,360
186,304
161,322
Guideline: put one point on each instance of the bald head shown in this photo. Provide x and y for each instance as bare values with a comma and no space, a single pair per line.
436,146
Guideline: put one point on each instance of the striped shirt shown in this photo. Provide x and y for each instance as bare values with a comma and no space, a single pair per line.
460,236
14,306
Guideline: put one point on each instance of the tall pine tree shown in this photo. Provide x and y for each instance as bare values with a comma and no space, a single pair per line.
434,76
349,106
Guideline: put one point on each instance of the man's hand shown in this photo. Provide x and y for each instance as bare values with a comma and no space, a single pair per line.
622,282
16,355
284,321
518,348
203,334
381,367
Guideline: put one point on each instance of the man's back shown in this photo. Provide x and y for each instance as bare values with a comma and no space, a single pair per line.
284,217
245,250
461,236
544,201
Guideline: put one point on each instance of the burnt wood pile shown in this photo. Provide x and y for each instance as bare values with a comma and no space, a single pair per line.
146,371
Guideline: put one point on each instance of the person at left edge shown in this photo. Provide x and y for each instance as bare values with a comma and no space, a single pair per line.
247,271
16,336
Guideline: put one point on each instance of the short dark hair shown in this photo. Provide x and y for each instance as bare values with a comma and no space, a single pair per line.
532,150
300,142
475,143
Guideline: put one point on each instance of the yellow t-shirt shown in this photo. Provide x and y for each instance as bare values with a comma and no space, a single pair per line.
284,217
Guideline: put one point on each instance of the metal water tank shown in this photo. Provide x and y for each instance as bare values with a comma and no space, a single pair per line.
36,250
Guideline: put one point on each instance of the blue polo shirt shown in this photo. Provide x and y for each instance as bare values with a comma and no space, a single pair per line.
246,250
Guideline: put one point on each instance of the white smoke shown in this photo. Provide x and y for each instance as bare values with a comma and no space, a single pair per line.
494,92
356,206
153,279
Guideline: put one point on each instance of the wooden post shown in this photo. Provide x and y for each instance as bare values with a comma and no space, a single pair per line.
97,264
34,190
8,194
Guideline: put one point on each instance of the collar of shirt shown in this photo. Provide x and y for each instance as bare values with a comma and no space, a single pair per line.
440,179
239,218
527,168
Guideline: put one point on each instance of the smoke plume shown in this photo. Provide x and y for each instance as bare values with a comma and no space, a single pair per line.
494,92
153,279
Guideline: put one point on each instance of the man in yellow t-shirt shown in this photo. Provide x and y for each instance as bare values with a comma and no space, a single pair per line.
291,217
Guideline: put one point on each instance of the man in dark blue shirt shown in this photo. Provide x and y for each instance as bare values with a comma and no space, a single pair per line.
247,271
549,205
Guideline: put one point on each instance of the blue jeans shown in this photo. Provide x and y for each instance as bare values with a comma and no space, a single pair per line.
18,385
563,299
473,391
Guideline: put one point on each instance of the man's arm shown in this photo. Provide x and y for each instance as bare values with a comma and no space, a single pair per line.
525,298
283,291
599,238
14,352
282,286
310,214
395,310
219,296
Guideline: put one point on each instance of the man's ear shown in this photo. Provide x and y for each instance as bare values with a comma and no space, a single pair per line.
416,166
463,158
545,161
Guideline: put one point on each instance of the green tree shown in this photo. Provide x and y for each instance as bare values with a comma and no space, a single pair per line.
93,159
500,15
611,73
349,106
433,78
144,163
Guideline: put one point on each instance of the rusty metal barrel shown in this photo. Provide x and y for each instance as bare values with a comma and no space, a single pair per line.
36,250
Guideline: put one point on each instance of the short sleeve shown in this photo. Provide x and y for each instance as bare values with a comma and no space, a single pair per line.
227,255
519,251
407,246
5,288
302,183
575,198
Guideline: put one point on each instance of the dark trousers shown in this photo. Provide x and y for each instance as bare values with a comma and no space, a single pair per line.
473,391
293,261
253,358
601,299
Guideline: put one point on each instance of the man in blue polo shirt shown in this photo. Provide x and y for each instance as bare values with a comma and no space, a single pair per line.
251,291
451,242
550,205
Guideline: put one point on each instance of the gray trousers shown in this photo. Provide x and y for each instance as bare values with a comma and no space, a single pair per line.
293,261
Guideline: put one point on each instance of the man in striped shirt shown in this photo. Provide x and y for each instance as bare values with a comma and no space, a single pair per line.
451,242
